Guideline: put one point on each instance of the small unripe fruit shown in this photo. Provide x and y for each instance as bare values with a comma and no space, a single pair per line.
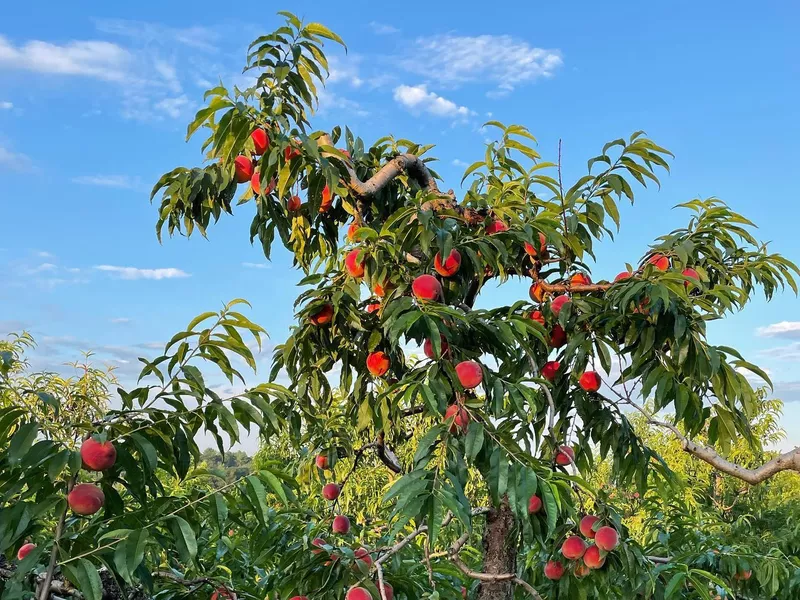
363,555
294,204
532,251
85,499
660,262
341,524
450,266
427,348
550,370
536,292
538,317
558,303
496,227
581,570
331,491
351,231
470,374
358,593
590,381
565,456
623,276
426,287
460,418
327,199
558,337
25,550
534,505
554,570
98,456
606,538
354,266
322,462
573,547
592,558
260,141
586,525
243,168
580,279
323,316
377,363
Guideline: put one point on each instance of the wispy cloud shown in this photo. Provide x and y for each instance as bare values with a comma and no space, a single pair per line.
92,58
6,105
136,273
114,181
789,352
120,320
459,163
382,28
418,99
497,59
251,265
148,33
784,329
14,161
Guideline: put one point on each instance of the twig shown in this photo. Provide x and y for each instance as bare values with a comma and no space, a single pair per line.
492,578
44,591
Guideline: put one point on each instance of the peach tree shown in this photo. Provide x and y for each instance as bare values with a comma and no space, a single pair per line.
484,440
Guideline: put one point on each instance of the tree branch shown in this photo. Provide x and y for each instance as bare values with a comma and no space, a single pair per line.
46,584
490,578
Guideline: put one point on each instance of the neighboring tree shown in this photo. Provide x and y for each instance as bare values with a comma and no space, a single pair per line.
488,436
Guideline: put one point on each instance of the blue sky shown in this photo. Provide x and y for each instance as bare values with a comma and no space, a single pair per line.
95,97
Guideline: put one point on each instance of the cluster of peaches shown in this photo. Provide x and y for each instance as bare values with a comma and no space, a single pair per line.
85,498
245,170
341,526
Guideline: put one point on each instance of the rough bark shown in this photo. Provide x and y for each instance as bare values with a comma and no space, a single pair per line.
499,552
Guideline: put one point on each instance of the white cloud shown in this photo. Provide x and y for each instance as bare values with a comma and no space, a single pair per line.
498,59
151,33
789,352
136,273
97,59
6,106
251,265
169,74
173,107
459,163
382,28
115,181
43,254
785,329
418,99
331,102
345,71
752,377
120,320
41,268
14,161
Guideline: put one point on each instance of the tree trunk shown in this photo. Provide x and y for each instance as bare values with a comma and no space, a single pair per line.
499,552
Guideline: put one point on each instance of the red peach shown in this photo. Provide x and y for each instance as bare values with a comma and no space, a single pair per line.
554,570
255,183
363,555
373,307
351,230
319,543
294,204
341,524
331,491
378,363
606,538
388,591
557,303
691,274
460,418
25,550
586,525
550,370
536,292
660,261
379,290
323,316
354,267
426,287
580,279
496,227
538,317
221,593
592,558
470,374
322,462
299,598
581,570
623,276
260,141
573,547
289,153
590,381
558,337
98,456
427,348
243,168
532,251
327,199
534,505
85,499
565,456
345,152
450,266
358,593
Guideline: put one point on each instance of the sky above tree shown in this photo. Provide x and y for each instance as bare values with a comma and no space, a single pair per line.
94,102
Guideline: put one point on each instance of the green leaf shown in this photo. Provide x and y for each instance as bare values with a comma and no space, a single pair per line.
21,442
674,585
256,494
130,553
185,539
85,577
474,441
219,510
322,31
